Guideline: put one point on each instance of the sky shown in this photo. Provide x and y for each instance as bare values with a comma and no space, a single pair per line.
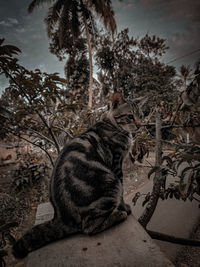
177,21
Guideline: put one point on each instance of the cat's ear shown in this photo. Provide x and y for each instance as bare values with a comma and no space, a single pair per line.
117,100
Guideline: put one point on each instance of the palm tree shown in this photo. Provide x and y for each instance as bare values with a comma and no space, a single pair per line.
75,16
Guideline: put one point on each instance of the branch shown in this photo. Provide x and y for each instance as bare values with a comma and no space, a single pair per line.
50,158
60,128
181,126
174,117
35,108
34,144
173,126
41,135
173,239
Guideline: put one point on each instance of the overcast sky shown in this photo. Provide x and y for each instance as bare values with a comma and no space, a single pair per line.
178,21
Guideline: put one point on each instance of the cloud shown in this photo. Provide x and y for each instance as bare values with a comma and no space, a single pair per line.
6,24
185,43
128,6
147,3
36,36
9,22
13,21
176,8
21,30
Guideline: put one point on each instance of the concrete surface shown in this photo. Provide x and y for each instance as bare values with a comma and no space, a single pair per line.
172,216
125,245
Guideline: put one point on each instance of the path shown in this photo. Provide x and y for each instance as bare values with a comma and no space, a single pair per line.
172,216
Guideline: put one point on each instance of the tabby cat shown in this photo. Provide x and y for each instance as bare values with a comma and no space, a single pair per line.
86,188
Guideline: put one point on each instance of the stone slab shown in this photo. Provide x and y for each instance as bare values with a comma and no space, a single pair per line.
124,245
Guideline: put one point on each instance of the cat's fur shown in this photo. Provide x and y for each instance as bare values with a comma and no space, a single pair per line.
86,187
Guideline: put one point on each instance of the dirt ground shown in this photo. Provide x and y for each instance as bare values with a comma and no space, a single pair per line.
189,256
21,206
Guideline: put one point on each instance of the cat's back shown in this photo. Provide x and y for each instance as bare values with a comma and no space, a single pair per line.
82,170
88,153
89,145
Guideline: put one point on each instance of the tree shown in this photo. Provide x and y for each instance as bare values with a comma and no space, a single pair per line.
182,162
34,105
71,16
133,66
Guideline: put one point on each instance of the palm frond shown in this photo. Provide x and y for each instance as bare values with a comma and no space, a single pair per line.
64,22
69,21
103,8
75,19
53,16
36,3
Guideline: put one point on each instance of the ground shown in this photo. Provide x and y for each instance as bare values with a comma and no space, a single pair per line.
189,256
21,205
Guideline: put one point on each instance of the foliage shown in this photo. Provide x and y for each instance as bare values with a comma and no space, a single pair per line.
185,75
34,105
29,172
133,66
6,56
77,72
65,16
185,167
65,23
183,164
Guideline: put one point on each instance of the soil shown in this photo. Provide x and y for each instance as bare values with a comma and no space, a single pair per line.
189,256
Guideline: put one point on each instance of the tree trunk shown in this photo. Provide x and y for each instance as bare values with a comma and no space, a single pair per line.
158,179
90,65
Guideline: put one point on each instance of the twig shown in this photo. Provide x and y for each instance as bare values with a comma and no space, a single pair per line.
60,128
174,117
149,163
23,138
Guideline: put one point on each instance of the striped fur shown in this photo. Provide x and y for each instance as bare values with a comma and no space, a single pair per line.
86,187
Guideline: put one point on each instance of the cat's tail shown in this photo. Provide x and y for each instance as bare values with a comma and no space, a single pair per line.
39,236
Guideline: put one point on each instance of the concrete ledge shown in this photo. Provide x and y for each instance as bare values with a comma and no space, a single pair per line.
125,245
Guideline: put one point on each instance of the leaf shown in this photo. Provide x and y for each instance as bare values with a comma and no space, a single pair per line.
169,161
135,198
154,169
147,198
179,163
177,195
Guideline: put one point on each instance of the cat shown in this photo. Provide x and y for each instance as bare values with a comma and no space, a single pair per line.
86,187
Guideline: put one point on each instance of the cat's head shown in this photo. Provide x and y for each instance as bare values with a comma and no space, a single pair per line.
124,114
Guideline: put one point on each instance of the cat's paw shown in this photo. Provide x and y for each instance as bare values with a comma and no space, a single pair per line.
125,207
